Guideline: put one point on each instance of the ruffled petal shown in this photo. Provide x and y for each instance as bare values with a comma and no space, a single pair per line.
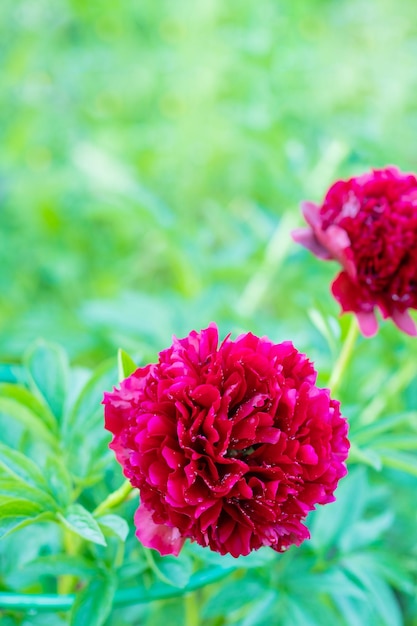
160,537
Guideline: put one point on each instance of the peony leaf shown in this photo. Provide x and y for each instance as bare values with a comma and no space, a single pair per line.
87,410
22,405
296,612
93,604
176,570
327,327
48,368
170,570
10,523
86,439
328,524
13,488
59,481
21,467
368,433
126,364
364,455
115,524
60,565
81,522
400,442
379,595
18,512
232,596
399,461
11,373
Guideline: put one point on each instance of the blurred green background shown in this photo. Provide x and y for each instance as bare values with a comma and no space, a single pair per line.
154,154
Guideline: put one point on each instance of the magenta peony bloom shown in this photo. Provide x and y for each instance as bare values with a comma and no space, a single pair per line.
369,225
231,446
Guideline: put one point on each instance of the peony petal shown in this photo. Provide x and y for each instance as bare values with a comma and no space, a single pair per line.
311,213
404,321
307,238
223,443
307,454
368,324
163,538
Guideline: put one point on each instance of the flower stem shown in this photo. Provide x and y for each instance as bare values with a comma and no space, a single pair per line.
191,609
344,357
114,499
71,544
274,256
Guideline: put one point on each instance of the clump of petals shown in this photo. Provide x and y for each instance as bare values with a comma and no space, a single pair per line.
230,445
368,224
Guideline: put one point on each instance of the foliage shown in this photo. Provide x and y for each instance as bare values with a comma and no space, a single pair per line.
153,159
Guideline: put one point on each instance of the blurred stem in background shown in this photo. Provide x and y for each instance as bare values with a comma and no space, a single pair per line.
345,356
114,499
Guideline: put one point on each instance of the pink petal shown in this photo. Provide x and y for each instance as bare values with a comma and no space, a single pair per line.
368,324
311,213
307,238
404,321
157,536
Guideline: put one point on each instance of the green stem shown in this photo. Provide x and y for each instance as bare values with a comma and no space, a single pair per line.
71,545
344,357
114,499
191,609
275,253
124,597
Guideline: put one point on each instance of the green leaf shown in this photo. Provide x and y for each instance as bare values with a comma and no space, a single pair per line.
85,436
392,569
22,414
366,531
175,570
263,610
379,594
327,327
16,506
20,466
48,368
10,523
37,408
10,373
115,524
399,461
60,565
59,481
125,364
328,523
364,455
232,596
13,488
324,582
354,612
170,570
87,410
81,522
296,612
93,604
16,513
401,442
367,434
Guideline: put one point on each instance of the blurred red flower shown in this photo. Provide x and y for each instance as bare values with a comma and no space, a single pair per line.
230,446
369,225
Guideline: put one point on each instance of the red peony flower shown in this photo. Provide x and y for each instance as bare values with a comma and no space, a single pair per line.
369,225
231,446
